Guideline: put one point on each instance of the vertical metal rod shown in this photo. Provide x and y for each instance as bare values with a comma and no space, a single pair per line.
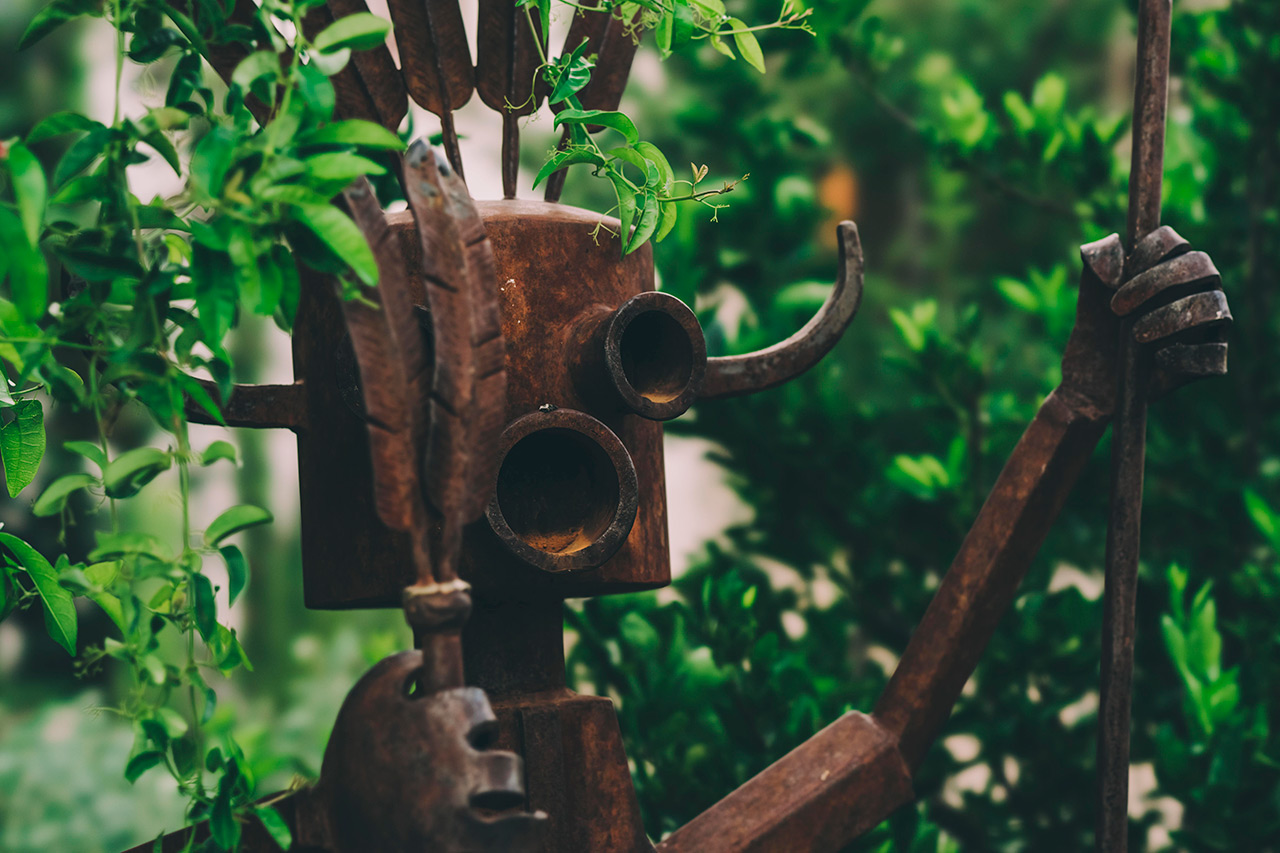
510,154
1129,438
451,149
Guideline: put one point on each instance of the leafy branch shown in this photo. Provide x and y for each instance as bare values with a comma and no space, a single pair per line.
113,304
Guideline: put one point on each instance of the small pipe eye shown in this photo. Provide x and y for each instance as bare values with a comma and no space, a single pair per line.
655,355
567,494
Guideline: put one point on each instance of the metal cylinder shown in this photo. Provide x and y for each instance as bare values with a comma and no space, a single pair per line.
567,494
647,357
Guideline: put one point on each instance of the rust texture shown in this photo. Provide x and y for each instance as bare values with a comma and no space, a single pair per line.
562,517
830,789
1129,438
549,271
451,791
262,406
436,61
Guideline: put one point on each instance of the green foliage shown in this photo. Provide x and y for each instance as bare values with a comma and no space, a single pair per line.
113,304
979,145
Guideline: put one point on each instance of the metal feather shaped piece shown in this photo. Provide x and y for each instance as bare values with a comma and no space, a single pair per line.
507,60
392,357
370,86
435,61
468,389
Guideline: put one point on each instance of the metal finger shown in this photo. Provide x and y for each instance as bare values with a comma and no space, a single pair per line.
1190,312
1180,364
1157,246
1194,269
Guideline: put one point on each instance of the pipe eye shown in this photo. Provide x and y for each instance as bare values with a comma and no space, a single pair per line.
655,355
566,496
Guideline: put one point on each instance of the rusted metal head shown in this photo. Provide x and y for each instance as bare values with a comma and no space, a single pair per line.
409,768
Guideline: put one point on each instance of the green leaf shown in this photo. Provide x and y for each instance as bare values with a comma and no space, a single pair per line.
663,31
255,66
1048,97
329,64
204,607
222,821
193,389
1018,294
141,763
230,654
667,221
646,225
51,17
218,450
211,159
125,475
361,31
275,826
720,46
233,521
85,150
341,235
149,46
626,204
22,445
564,159
354,132
28,271
30,190
574,73
654,155
1019,112
608,118
1263,518
81,189
157,140
237,571
55,497
59,610
59,124
113,546
747,44
340,167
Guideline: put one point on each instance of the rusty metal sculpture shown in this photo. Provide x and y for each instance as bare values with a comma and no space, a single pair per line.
515,369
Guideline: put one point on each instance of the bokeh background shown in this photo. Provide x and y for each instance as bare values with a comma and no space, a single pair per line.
977,143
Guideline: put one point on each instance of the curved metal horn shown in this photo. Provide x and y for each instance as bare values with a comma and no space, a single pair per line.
733,375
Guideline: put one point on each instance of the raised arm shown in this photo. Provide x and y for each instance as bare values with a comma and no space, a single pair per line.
855,772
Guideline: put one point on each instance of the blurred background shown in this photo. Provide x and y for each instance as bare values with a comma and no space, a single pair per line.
977,143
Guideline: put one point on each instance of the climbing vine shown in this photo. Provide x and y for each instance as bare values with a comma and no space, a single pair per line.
640,175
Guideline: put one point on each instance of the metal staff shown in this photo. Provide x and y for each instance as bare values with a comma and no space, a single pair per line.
1128,453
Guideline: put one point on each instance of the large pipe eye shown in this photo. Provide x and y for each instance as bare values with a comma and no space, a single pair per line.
566,495
655,355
